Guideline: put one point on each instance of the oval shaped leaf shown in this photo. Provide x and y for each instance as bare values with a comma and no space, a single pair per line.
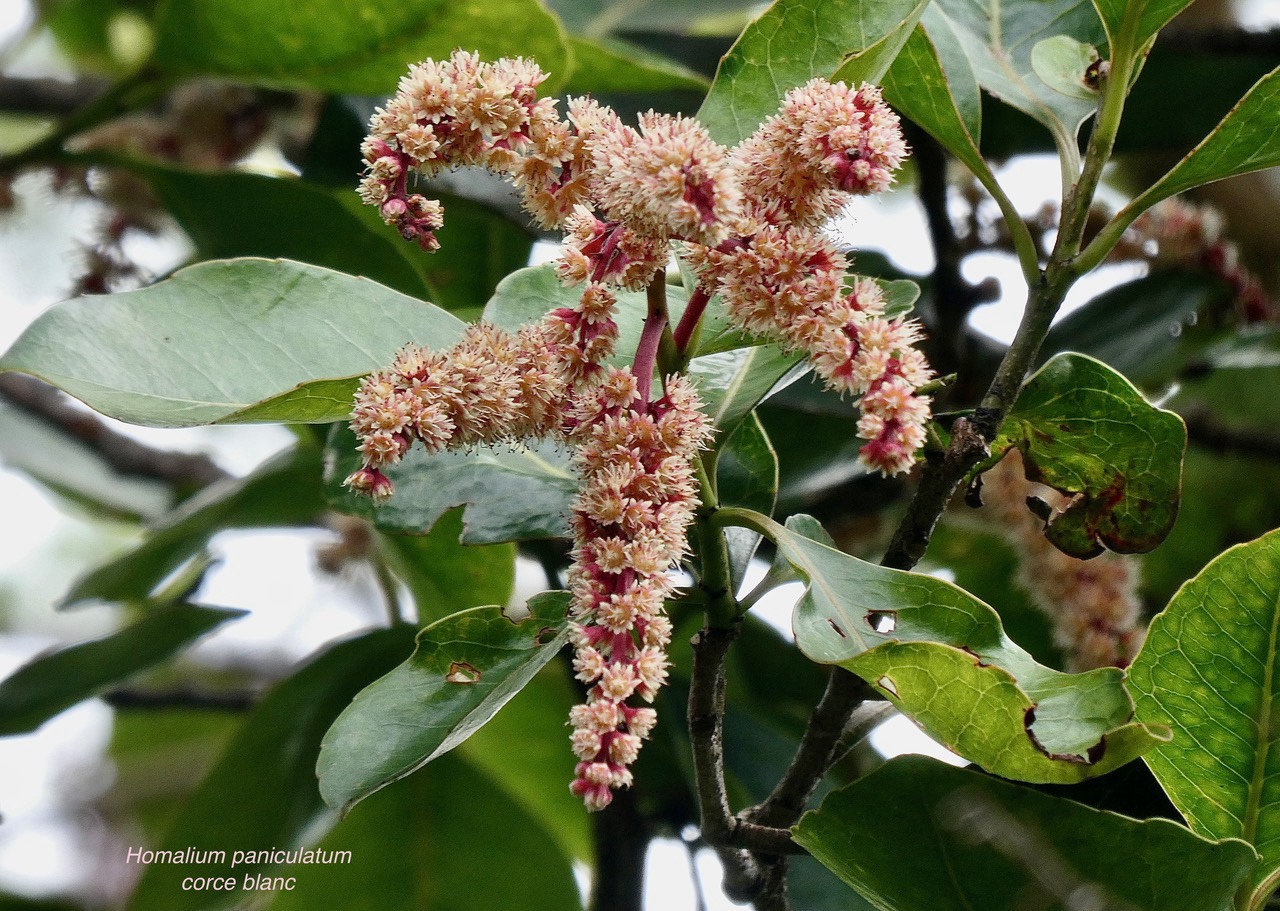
1246,140
225,342
942,657
793,41
510,492
998,37
45,686
995,845
1209,670
466,667
355,46
1086,431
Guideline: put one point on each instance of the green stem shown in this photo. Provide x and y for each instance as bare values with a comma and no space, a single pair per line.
127,95
1075,208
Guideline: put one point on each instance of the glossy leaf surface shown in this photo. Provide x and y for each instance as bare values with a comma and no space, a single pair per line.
993,845
791,42
231,341
1084,430
465,668
943,658
1208,669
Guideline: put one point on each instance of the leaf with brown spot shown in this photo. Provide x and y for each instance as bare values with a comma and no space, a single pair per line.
420,711
1086,431
949,666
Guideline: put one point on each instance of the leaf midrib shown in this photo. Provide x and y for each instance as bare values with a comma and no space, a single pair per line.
1258,780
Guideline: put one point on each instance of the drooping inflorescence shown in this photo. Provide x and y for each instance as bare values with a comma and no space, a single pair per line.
1092,605
748,220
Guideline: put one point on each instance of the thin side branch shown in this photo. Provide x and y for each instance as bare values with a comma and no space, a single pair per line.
123,454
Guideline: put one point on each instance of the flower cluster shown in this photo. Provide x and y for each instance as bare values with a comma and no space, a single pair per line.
1178,233
747,219
492,386
1093,604
783,278
638,496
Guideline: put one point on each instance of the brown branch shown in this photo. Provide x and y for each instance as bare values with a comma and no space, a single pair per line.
180,699
123,454
55,97
621,836
1203,429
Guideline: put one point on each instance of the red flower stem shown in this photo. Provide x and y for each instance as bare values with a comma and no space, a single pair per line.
689,321
651,337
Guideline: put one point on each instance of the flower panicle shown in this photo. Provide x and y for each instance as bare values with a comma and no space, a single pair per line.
637,499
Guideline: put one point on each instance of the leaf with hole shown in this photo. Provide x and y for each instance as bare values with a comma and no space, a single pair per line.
466,667
1087,432
993,845
226,342
1208,669
942,657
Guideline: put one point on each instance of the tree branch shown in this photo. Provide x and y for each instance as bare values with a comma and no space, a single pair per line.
621,838
180,699
123,454
1205,430
55,97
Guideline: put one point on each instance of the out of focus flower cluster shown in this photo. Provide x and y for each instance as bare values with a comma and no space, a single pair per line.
1092,605
1179,233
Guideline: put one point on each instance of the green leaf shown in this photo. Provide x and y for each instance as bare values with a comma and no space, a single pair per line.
608,66
262,793
746,476
230,341
989,844
223,213
546,765
942,657
465,668
357,46
50,683
447,839
945,102
1062,64
1145,328
731,384
1153,15
283,491
511,493
1209,670
998,38
230,214
446,576
1084,430
1246,140
793,41
1235,379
